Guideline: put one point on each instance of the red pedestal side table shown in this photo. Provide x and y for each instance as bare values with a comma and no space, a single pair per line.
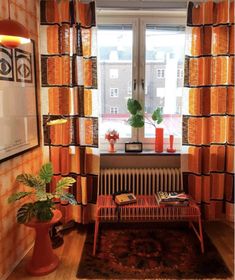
43,260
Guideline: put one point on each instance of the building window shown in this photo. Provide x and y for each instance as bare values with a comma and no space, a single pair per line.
113,92
129,88
146,64
179,105
160,73
180,73
113,73
114,110
146,89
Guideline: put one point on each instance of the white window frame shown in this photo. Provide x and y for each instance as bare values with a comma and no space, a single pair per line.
139,22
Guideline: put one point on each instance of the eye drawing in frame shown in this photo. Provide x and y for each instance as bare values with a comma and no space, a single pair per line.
18,101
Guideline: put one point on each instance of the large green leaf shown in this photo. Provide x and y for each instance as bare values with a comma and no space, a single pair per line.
40,204
44,215
136,121
64,183
43,210
41,193
157,115
133,106
30,180
46,172
70,198
25,213
18,196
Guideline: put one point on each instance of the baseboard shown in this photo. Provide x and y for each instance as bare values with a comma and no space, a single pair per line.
7,274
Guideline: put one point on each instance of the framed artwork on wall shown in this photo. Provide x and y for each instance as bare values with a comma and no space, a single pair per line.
18,101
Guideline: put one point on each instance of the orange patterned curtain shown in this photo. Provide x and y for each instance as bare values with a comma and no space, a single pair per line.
69,77
208,117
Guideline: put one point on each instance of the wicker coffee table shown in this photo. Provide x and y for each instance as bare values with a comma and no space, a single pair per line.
146,209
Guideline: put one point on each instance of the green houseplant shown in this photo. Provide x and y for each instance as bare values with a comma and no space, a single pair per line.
43,203
138,118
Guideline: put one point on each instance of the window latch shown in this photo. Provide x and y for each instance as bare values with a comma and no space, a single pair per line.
134,84
142,83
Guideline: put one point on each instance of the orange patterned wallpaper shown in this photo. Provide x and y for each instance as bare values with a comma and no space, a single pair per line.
16,239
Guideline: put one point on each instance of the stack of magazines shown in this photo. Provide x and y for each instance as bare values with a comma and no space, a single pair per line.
172,198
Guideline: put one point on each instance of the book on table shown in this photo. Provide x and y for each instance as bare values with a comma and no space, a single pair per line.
124,197
172,198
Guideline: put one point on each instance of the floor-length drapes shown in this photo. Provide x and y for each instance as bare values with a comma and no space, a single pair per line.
69,77
208,117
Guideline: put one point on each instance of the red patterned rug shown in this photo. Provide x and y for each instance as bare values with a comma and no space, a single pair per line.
141,251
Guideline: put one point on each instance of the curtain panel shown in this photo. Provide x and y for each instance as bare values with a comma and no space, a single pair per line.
69,80
208,109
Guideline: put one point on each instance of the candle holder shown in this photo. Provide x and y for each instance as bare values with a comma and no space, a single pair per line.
171,149
111,136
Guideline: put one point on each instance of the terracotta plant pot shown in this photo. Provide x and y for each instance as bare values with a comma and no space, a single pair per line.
111,146
43,260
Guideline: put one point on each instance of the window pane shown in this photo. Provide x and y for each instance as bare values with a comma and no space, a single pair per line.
164,65
115,77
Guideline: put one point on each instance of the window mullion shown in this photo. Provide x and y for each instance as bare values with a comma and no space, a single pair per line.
135,67
141,81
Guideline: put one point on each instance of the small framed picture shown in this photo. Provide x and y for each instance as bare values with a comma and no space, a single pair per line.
135,147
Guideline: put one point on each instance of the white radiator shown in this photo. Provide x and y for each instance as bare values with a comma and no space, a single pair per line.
140,181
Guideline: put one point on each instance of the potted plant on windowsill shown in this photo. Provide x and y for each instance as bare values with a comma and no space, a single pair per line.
40,213
138,119
112,136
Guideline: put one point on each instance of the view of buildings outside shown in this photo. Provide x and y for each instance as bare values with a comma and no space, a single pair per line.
163,78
